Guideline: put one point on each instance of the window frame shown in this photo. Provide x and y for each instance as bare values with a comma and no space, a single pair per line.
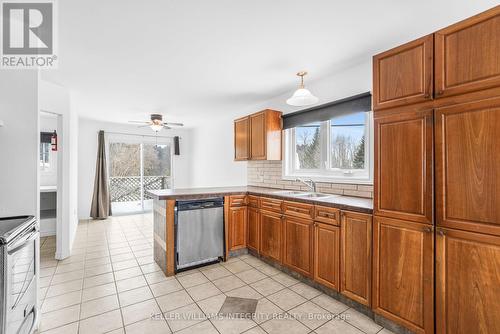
325,173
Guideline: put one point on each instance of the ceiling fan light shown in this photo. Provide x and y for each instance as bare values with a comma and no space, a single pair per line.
301,98
156,127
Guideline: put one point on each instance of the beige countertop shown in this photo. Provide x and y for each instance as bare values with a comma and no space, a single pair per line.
359,204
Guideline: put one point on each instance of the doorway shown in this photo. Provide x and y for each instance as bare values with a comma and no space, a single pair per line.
136,165
49,169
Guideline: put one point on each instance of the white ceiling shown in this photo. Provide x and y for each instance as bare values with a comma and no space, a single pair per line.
197,60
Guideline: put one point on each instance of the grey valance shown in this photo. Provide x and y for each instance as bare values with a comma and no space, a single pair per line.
327,111
45,137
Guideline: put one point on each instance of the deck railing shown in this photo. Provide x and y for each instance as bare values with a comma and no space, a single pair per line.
128,188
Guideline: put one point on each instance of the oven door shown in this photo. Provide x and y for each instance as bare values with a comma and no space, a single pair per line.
21,283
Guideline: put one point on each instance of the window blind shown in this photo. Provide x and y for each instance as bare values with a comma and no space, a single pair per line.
327,111
45,137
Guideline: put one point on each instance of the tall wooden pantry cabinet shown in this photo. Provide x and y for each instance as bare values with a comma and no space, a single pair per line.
437,180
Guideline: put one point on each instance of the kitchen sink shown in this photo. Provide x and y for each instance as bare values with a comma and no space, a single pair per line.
301,194
313,195
289,192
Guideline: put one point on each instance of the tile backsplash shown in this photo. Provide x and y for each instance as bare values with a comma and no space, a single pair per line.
269,174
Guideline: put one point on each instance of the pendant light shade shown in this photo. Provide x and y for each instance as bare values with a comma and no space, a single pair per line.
302,96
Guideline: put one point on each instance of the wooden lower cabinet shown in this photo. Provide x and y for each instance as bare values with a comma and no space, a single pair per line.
237,227
298,241
327,255
403,273
271,235
253,223
467,282
356,256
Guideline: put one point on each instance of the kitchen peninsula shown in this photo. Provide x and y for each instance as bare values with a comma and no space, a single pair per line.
265,221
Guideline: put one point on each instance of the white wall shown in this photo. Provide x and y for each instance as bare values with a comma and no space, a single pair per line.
213,147
87,154
57,100
19,139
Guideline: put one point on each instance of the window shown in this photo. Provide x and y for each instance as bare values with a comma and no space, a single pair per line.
45,149
335,150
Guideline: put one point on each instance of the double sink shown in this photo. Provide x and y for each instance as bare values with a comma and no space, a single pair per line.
302,194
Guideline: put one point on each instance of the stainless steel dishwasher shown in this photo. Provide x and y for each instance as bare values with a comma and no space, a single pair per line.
199,228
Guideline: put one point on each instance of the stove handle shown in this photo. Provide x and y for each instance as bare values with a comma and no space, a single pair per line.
18,245
35,320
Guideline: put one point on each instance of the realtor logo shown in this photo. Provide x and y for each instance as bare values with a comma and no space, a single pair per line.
28,34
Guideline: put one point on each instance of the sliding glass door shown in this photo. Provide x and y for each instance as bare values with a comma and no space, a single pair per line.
135,166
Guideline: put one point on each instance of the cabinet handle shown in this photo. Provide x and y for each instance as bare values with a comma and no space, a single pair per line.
427,229
441,233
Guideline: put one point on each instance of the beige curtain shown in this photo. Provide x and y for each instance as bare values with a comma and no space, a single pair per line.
101,202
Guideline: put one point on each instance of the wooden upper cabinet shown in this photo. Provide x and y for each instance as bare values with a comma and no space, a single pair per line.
327,255
467,282
356,256
271,235
403,186
258,136
403,75
298,241
241,138
467,55
403,273
253,223
237,227
468,166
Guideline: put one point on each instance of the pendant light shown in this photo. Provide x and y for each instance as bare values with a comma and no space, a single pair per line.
302,96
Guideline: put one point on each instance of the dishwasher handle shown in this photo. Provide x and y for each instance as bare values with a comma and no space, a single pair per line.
200,204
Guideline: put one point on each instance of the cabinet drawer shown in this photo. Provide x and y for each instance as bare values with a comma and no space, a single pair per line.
326,215
297,209
253,201
238,200
271,204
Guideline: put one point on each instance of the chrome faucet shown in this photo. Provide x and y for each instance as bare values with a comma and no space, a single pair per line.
309,183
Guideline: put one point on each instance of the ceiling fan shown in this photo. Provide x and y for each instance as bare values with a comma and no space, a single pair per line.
156,123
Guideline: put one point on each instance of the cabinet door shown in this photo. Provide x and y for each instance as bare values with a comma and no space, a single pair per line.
403,75
467,282
467,55
253,228
241,139
298,240
270,234
356,256
258,136
327,255
403,166
237,227
468,166
403,277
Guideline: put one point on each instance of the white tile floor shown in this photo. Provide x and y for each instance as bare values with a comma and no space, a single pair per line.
111,285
